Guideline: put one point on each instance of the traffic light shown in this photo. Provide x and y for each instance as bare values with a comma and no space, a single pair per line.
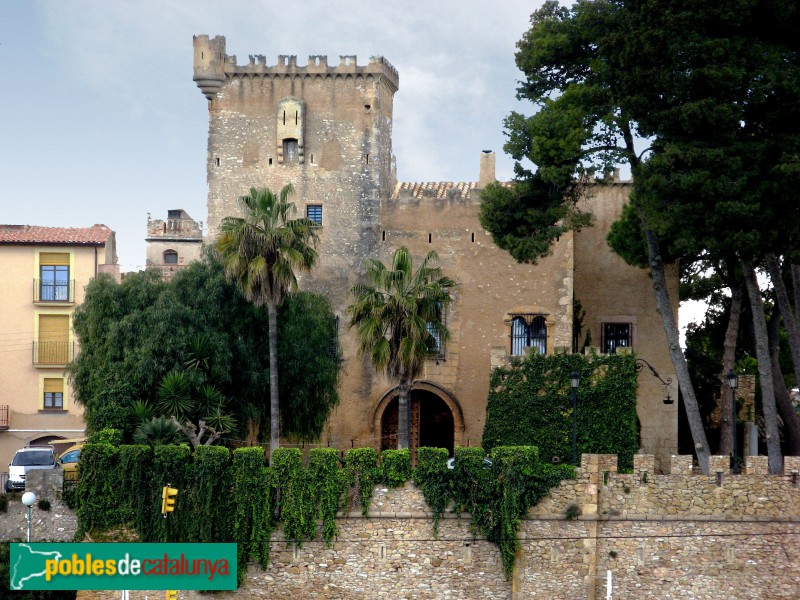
168,497
172,594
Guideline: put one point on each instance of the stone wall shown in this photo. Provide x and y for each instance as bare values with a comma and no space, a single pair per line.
676,535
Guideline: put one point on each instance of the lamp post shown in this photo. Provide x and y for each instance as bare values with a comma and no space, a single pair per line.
733,382
28,499
574,381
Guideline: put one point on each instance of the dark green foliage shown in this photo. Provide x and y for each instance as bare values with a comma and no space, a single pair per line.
528,217
254,499
43,504
496,495
435,480
530,404
135,333
296,499
362,473
157,431
107,436
3,503
210,493
140,504
395,467
326,482
171,466
99,490
7,594
309,370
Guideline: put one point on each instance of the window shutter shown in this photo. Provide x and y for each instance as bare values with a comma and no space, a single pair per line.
53,259
53,385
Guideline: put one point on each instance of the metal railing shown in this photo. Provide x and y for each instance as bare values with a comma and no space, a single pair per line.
53,353
53,291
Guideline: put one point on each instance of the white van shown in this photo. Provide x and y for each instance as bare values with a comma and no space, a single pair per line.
27,459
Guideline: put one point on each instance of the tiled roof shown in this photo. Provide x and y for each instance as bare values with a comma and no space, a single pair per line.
435,189
96,235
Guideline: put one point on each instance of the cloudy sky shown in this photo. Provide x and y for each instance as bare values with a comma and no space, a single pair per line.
102,123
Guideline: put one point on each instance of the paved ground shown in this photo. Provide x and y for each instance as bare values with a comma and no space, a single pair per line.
57,524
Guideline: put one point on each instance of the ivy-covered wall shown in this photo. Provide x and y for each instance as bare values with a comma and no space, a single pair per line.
530,404
240,499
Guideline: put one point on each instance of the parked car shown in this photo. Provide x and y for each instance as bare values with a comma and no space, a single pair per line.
69,459
29,458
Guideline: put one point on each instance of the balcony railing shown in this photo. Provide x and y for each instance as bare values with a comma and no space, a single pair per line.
3,416
52,353
54,291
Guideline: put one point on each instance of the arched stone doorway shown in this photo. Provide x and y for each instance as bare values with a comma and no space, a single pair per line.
435,418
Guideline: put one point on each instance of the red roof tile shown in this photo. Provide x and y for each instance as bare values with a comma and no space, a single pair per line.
96,235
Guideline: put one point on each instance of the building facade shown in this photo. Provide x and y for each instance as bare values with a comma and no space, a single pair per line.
174,243
328,131
44,275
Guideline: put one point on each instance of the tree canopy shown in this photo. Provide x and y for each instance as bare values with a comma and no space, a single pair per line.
134,334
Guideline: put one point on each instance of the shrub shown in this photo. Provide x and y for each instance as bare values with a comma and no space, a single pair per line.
395,467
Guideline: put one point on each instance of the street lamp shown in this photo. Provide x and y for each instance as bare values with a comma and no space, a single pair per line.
574,382
29,499
733,382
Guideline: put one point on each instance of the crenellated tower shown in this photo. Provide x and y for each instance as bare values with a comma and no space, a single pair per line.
325,129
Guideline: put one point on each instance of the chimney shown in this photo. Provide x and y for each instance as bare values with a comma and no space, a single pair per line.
487,169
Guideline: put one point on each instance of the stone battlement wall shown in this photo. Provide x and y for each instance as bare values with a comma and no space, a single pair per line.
212,65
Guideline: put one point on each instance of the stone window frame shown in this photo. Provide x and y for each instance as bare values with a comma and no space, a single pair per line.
528,312
171,253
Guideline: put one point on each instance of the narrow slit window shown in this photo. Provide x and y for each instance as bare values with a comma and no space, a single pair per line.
430,238
216,160
383,236
473,237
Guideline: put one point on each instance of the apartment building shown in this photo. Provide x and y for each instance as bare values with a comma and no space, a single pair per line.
43,275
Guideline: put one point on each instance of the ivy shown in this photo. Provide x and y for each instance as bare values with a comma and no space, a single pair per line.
171,465
98,492
530,403
497,493
395,467
296,501
326,481
139,501
243,500
362,474
253,522
210,495
434,479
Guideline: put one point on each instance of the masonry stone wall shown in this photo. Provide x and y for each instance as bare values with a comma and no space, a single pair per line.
676,535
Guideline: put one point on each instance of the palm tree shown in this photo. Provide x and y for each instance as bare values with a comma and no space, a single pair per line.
399,314
261,252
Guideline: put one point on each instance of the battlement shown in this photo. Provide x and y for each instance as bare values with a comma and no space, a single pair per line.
212,66
680,493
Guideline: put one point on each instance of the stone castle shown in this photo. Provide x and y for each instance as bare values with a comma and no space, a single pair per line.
327,129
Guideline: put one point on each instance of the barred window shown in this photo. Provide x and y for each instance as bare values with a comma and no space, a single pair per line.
314,213
528,331
436,346
616,335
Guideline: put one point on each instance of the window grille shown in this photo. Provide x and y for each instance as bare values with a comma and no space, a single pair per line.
314,213
616,335
436,345
528,331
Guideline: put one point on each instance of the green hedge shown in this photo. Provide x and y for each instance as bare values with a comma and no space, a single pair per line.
530,403
242,500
